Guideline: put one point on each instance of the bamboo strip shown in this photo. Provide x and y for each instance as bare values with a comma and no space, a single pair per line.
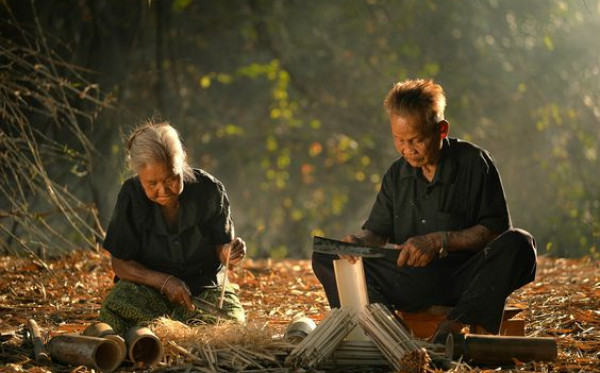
239,354
193,358
206,351
259,355
271,370
203,369
224,284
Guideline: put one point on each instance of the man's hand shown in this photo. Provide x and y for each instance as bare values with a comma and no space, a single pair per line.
236,250
417,251
177,292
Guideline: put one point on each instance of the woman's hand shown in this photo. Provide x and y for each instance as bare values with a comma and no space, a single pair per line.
236,250
177,292
170,286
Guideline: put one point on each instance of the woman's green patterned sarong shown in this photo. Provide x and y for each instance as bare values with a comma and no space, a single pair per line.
129,304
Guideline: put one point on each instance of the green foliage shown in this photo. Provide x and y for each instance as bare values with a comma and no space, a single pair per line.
281,100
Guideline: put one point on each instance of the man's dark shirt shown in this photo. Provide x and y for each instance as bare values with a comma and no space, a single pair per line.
137,231
466,191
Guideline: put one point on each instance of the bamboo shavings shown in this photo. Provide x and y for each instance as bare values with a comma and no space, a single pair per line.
321,342
214,348
256,335
393,340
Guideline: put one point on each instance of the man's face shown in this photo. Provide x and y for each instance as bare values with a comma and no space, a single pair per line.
415,141
160,184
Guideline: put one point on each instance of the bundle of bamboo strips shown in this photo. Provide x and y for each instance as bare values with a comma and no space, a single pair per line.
355,353
393,340
321,342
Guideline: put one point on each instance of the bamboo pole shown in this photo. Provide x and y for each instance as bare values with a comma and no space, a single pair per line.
352,290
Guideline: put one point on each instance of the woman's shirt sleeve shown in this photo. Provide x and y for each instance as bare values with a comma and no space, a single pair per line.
122,235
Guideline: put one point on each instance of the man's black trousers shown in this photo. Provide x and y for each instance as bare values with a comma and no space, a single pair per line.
476,285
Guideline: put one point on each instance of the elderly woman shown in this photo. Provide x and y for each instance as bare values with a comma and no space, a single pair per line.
170,234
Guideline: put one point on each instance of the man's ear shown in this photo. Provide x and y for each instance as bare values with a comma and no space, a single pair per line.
444,126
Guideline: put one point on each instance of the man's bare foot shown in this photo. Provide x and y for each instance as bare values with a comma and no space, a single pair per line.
444,328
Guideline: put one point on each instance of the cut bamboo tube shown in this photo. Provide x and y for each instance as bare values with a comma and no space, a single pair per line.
98,353
144,347
352,291
298,329
499,350
103,330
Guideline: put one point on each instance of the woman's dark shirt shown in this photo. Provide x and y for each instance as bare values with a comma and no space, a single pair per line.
137,231
465,191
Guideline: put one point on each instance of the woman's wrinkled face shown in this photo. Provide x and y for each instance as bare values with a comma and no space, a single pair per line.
160,184
419,148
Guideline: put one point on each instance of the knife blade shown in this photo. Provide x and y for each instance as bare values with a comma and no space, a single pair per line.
330,246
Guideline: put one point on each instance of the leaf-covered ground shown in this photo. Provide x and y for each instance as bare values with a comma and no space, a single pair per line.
64,295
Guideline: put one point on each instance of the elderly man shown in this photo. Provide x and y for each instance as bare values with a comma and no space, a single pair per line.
443,206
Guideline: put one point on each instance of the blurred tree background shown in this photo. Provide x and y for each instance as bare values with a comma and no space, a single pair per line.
281,100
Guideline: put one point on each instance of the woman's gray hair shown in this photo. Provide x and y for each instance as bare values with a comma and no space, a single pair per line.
158,142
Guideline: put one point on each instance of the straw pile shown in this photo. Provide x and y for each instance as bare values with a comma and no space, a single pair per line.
213,348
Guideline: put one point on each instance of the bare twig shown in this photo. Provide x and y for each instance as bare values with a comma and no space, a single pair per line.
36,83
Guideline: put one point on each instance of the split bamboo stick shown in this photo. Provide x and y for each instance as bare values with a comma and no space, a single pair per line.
224,284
